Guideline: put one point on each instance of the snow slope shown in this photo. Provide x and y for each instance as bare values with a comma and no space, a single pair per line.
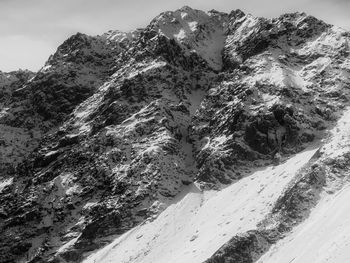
325,235
192,229
99,144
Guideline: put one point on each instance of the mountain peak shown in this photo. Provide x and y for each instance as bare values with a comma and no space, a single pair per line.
203,137
186,9
195,30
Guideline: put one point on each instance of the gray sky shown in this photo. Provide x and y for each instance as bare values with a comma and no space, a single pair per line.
31,30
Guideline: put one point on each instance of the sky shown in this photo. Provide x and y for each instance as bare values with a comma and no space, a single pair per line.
31,30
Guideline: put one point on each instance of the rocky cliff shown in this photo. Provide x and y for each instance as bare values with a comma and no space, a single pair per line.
192,119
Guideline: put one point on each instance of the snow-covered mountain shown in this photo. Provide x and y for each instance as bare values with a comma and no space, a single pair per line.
203,137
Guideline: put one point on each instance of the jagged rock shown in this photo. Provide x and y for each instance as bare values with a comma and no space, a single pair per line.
114,127
242,249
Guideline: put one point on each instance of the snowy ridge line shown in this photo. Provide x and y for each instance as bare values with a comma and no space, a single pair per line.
326,227
171,123
294,207
206,226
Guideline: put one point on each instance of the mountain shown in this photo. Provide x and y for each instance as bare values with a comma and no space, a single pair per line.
203,137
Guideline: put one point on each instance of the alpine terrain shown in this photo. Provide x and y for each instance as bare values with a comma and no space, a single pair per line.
205,137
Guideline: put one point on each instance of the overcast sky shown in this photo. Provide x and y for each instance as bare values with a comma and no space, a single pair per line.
31,30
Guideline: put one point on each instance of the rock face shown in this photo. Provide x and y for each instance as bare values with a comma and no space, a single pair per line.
114,127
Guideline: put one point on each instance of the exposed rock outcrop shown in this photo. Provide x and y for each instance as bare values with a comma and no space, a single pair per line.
114,127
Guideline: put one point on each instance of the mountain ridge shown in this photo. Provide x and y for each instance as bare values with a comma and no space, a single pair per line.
114,128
